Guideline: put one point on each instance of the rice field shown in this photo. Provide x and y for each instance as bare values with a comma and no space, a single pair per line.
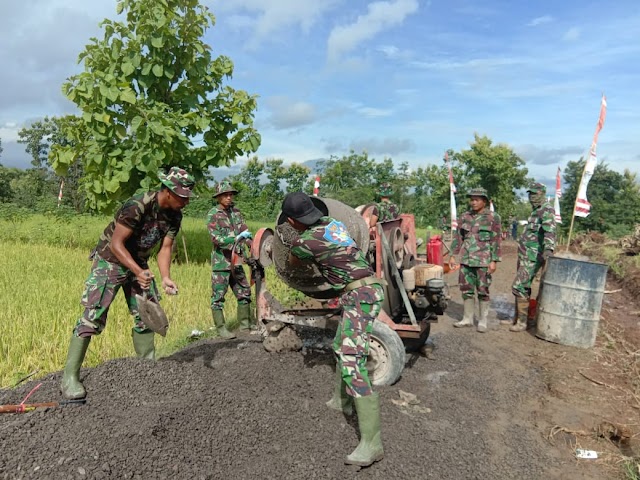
43,266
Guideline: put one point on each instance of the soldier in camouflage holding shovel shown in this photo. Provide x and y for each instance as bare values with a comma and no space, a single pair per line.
327,243
477,242
227,227
535,246
120,261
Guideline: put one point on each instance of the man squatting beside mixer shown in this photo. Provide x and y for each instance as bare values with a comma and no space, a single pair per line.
120,260
326,242
227,227
477,242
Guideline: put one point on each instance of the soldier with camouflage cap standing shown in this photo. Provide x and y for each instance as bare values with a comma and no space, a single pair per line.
477,242
385,210
227,227
120,260
537,243
327,243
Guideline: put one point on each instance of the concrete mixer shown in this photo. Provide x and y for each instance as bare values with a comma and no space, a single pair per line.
415,292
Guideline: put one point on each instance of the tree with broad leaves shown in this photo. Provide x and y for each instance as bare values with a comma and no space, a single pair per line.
297,177
152,96
614,199
497,169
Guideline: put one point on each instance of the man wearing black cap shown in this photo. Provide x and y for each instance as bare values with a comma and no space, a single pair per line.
326,242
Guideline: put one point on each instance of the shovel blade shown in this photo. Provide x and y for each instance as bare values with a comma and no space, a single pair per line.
152,315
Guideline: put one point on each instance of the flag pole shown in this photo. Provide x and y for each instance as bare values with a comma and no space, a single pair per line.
592,152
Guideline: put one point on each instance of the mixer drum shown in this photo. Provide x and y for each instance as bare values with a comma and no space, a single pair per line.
306,278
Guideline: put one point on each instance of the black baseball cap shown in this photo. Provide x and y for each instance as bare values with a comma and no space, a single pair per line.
298,205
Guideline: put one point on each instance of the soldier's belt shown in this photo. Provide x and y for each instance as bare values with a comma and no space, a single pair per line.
363,282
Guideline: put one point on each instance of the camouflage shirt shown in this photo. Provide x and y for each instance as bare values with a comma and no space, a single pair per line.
150,224
386,211
539,233
332,249
224,226
477,240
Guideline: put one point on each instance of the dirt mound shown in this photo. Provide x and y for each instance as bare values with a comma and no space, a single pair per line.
232,410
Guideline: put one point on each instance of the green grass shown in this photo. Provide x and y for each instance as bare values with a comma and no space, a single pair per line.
40,288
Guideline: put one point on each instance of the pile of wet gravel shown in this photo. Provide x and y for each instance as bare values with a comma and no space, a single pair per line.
231,410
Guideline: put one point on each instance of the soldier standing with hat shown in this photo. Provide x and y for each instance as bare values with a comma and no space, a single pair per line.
384,210
537,243
120,260
227,227
477,242
327,243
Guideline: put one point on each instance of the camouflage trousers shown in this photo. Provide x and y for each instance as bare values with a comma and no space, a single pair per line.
474,279
220,281
101,287
525,274
360,307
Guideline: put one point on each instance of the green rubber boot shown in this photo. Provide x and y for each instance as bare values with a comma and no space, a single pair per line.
218,320
71,386
144,345
340,401
369,450
522,306
244,316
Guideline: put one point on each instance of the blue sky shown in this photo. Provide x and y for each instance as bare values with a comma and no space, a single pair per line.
405,79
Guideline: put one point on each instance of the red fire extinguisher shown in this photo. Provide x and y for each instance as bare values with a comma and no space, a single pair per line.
434,250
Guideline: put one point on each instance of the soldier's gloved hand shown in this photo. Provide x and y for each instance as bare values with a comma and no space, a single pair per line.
546,254
243,235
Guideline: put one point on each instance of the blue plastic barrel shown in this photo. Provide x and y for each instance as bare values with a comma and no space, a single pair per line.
570,301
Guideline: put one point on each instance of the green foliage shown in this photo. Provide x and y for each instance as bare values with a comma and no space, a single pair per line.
496,168
153,96
39,138
614,198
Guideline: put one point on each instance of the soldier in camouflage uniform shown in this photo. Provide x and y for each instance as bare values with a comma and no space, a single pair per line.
326,242
385,210
120,260
537,243
477,242
227,228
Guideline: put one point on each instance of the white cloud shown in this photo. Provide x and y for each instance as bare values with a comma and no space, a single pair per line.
287,114
572,34
374,112
272,15
548,156
379,17
540,21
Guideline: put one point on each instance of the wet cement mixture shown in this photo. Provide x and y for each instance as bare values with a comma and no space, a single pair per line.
498,405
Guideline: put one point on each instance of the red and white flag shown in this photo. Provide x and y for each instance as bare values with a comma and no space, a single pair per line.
583,206
556,203
316,186
452,194
491,207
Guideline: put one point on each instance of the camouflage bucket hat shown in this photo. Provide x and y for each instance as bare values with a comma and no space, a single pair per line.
224,187
478,192
179,181
385,190
537,188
